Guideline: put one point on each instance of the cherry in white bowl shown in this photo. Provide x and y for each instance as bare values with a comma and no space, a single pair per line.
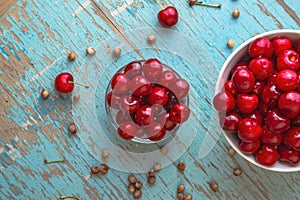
258,100
147,101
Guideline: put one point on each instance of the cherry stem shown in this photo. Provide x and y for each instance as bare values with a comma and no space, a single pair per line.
53,161
209,5
160,5
81,84
70,197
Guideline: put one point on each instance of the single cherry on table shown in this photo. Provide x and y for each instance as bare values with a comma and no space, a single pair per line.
64,83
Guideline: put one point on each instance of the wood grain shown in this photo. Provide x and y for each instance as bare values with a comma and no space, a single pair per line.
5,5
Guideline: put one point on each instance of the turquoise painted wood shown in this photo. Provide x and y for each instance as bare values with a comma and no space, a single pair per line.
35,38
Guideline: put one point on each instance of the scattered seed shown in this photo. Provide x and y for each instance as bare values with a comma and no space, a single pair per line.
181,166
137,194
151,180
138,185
157,167
235,13
132,179
105,153
214,186
90,51
117,52
151,39
180,196
103,169
238,172
230,43
131,188
95,170
188,197
164,150
151,173
231,152
45,94
76,97
72,128
71,56
181,188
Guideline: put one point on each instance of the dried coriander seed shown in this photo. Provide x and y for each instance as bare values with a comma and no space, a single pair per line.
103,169
76,98
131,188
238,172
157,167
235,13
71,56
132,179
214,186
45,94
137,194
105,153
95,170
117,52
231,152
72,128
151,173
180,196
138,185
151,180
181,166
151,39
181,188
230,43
90,51
188,197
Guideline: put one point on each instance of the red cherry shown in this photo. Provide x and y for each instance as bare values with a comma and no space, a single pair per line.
289,59
179,113
281,44
263,108
230,122
152,69
289,104
270,138
292,138
289,155
224,102
256,117
272,78
270,95
258,88
276,122
159,96
133,69
155,131
249,147
267,155
296,121
113,100
248,130
287,80
261,47
127,130
129,104
122,117
144,115
140,86
172,99
164,119
167,79
62,82
237,66
120,83
229,87
180,88
247,103
243,79
168,17
261,68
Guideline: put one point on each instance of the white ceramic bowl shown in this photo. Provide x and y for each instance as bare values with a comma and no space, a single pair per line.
239,52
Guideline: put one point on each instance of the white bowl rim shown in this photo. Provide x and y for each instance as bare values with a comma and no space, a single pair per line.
218,88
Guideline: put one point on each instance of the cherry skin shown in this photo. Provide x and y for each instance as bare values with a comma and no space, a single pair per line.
249,147
172,99
292,138
276,122
140,86
239,65
270,138
243,80
152,69
168,17
144,115
155,131
270,95
272,78
61,83
230,122
224,102
281,44
258,88
129,104
133,69
261,47
247,103
164,119
263,108
289,155
261,68
229,87
256,117
289,59
267,155
120,83
113,100
167,78
287,80
122,117
158,96
248,130
127,130
296,121
180,88
289,104
179,113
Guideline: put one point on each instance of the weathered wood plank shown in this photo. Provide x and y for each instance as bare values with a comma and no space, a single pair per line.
5,5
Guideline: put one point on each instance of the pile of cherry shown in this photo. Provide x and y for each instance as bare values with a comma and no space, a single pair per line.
261,101
148,99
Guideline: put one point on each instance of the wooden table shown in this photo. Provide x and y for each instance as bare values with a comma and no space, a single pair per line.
35,38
